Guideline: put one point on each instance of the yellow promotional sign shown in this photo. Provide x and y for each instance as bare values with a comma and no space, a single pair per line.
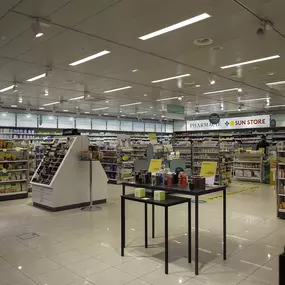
272,171
208,170
152,138
154,165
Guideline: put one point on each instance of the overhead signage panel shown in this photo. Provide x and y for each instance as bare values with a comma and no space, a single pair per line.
252,122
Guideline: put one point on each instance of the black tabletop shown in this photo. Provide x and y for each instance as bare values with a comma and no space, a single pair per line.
169,200
178,190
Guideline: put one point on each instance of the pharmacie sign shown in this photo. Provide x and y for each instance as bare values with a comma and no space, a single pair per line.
252,122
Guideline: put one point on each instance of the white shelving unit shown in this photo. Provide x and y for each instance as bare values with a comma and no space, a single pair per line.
14,173
185,150
62,181
248,166
280,179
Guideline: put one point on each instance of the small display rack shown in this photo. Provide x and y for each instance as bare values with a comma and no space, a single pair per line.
14,171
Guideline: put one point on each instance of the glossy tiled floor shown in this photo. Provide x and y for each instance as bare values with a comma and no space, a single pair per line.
77,248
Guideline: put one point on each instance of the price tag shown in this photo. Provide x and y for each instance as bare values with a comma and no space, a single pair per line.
154,165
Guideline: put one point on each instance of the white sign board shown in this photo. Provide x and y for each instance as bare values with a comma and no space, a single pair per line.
48,121
126,126
83,123
252,122
98,124
7,119
149,127
113,125
66,122
27,121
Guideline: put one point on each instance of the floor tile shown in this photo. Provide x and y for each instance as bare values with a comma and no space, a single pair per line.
158,277
111,276
137,282
53,248
113,258
60,276
268,273
69,257
139,267
219,276
10,274
24,282
95,249
250,281
38,267
87,267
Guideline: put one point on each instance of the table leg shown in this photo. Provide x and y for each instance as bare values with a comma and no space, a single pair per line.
153,221
145,225
123,189
166,239
123,229
196,235
225,223
189,232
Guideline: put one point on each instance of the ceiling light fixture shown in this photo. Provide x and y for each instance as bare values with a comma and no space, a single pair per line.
52,103
7,88
36,28
131,104
171,78
89,57
197,85
14,106
41,108
239,90
222,106
134,70
132,113
98,109
175,26
145,95
214,104
117,89
275,83
76,98
141,112
107,101
212,79
267,102
165,99
257,99
15,88
86,112
221,91
250,61
275,106
239,108
180,98
105,114
123,115
65,110
36,77
20,99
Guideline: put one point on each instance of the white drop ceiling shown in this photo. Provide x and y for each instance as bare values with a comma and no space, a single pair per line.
75,29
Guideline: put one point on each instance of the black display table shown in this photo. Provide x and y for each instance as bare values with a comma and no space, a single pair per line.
169,201
186,191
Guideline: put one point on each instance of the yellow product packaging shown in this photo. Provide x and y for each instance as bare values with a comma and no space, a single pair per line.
139,192
159,195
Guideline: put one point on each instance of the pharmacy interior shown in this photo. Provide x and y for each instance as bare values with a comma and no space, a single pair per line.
34,151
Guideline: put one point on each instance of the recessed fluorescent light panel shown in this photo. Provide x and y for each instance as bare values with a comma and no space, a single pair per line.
275,83
165,99
65,110
131,104
214,104
117,89
257,99
41,108
76,98
251,61
221,91
142,112
98,109
276,106
36,77
7,88
88,58
49,104
171,78
14,106
175,26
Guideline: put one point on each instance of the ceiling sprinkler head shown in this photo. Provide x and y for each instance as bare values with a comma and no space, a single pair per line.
36,28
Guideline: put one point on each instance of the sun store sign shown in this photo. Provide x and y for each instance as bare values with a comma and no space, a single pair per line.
252,122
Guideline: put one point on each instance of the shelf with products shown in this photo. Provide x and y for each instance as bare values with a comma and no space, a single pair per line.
185,152
280,179
14,171
125,163
248,165
109,161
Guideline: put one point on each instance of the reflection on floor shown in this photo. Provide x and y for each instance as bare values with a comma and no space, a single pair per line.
74,247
